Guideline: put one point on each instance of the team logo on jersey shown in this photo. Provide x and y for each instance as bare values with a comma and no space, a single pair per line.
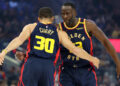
79,28
83,38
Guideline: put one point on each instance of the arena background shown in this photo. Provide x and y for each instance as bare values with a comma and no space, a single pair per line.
14,14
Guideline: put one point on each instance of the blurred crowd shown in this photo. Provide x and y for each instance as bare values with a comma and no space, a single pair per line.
14,14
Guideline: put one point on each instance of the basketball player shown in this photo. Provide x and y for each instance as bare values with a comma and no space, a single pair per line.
43,50
75,71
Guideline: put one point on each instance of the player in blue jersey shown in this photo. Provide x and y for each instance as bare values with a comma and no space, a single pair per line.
80,32
75,71
43,50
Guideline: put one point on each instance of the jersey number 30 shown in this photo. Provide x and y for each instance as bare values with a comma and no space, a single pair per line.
46,44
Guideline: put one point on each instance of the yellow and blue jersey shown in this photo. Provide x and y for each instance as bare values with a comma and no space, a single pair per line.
80,37
43,42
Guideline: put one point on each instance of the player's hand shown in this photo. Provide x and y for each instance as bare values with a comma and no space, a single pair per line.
118,70
2,55
96,62
19,55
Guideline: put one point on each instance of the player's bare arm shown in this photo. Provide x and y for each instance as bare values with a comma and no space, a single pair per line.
64,40
96,31
16,42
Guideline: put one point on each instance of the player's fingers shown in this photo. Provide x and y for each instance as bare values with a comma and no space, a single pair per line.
0,63
98,67
102,63
118,75
1,60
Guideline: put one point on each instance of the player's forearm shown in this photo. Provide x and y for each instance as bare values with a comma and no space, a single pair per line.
114,56
15,43
82,54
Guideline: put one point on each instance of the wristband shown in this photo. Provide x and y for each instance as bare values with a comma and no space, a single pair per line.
4,51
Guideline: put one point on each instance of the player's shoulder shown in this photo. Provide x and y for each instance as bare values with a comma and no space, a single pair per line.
90,25
89,22
31,24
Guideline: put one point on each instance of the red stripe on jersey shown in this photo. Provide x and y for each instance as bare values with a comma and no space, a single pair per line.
20,78
54,77
57,55
91,46
28,49
56,59
60,73
14,51
95,76
91,51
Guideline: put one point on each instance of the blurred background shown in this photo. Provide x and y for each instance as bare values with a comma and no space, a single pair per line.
14,14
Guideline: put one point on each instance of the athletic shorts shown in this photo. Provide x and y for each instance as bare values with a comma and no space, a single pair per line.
37,72
76,76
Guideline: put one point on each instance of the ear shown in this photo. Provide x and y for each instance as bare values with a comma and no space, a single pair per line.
74,12
38,18
53,18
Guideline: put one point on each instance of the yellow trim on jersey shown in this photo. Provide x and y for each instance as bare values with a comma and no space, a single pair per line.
86,29
60,26
72,27
82,22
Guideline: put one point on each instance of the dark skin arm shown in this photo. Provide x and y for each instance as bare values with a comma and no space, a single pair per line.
98,33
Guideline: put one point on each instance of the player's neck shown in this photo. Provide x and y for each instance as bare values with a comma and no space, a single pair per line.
72,22
46,21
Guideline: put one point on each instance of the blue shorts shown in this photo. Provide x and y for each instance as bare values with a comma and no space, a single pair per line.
76,76
37,72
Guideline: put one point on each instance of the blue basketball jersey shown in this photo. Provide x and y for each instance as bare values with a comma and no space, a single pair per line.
43,42
79,36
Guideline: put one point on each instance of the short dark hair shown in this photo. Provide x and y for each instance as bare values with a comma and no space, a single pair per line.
69,4
45,12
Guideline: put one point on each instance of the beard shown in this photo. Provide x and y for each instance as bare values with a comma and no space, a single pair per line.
71,22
